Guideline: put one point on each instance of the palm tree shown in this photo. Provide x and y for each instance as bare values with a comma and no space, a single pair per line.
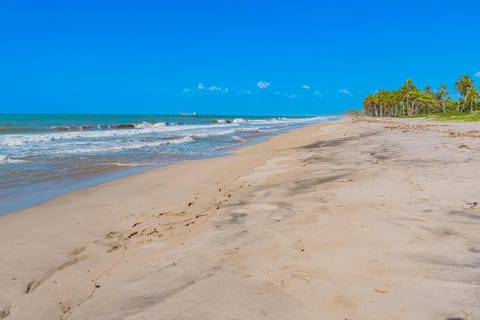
409,101
369,105
397,100
462,85
442,95
406,89
471,96
383,101
408,86
428,89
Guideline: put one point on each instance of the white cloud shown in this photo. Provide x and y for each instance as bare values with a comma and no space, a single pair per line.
477,74
263,84
219,89
247,92
214,88
345,92
318,94
186,91
306,87
201,86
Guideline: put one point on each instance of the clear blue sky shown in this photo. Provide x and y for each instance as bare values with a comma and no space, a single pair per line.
234,57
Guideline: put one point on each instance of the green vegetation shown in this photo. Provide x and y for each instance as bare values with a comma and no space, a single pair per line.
452,116
409,101
353,112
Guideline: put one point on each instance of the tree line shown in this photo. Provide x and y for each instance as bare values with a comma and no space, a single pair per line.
410,101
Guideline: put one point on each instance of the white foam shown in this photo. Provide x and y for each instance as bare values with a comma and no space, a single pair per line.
5,159
240,120
19,139
145,135
143,124
132,164
142,129
237,138
108,148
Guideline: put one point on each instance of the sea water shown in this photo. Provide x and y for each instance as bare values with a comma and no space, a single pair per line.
49,154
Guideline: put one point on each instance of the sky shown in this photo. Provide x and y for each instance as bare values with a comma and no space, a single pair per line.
227,57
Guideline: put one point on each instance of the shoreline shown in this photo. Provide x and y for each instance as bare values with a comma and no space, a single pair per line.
71,184
282,221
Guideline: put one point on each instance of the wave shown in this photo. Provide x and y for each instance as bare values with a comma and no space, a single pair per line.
109,148
140,125
21,145
221,121
239,120
146,125
5,159
160,128
10,130
276,120
73,128
237,138
130,164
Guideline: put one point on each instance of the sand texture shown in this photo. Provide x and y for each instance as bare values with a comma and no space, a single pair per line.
352,219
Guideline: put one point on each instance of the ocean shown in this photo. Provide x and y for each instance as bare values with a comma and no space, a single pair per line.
45,155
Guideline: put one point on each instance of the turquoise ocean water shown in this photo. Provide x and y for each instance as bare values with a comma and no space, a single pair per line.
49,154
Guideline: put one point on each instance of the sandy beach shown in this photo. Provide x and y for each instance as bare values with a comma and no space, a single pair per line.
351,219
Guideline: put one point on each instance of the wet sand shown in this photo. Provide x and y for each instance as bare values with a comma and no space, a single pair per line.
351,219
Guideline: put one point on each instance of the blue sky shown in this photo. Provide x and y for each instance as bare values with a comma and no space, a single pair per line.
227,57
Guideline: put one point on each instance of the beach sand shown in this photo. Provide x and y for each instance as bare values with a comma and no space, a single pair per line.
351,219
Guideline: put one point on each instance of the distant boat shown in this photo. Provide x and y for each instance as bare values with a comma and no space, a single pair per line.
188,114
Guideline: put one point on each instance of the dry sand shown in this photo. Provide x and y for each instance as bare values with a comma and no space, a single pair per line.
352,219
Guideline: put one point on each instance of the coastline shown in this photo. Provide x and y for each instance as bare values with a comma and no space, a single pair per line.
30,179
282,222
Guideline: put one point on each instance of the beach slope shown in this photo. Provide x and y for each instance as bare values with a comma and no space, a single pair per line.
350,219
